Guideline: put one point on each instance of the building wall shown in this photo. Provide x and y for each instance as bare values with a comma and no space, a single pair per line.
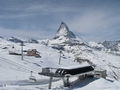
100,73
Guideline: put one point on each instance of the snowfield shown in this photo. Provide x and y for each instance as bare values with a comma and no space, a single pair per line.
15,72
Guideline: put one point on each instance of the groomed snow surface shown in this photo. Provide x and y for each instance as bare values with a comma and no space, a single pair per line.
15,73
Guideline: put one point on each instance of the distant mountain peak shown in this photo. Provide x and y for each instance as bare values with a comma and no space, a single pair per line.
64,35
63,27
64,31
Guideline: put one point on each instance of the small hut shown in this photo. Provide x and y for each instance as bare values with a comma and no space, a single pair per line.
100,73
33,52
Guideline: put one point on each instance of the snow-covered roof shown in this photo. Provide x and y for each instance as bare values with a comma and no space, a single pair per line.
75,66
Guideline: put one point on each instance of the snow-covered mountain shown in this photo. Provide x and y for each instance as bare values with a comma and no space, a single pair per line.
20,39
15,72
112,45
104,55
65,36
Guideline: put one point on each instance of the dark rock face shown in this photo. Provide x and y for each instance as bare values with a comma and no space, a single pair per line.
15,40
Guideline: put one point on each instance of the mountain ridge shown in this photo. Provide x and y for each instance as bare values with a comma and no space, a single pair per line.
20,39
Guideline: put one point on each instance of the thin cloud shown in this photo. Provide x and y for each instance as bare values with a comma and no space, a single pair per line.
15,16
23,33
95,23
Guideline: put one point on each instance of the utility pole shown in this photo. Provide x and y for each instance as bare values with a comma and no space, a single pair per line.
22,50
60,56
50,82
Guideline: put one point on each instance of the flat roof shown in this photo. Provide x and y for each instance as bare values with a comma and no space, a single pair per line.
73,67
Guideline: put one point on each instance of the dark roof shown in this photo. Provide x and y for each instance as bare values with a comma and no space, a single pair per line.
75,71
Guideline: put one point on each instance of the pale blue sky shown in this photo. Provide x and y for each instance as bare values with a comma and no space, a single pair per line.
92,20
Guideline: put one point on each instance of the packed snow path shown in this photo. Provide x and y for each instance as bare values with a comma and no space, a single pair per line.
26,82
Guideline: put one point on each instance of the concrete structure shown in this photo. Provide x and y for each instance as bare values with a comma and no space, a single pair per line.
101,73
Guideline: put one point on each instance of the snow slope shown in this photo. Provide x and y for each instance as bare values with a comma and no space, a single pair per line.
15,72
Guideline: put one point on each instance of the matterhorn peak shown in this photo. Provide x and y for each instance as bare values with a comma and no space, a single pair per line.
64,31
65,36
63,27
